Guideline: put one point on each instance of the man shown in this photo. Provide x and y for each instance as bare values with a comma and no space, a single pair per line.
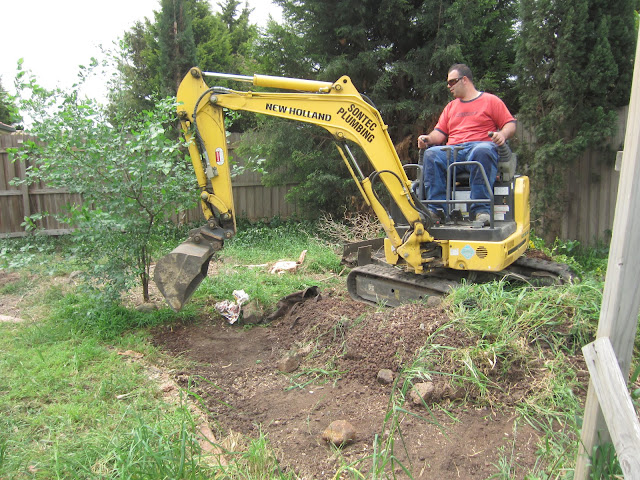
466,122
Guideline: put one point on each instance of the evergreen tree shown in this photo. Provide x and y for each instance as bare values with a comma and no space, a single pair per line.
138,79
155,55
242,33
575,63
176,43
225,40
8,110
397,52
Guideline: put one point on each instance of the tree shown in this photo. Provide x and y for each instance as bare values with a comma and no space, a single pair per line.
137,63
132,177
155,55
242,34
574,65
176,43
8,110
397,52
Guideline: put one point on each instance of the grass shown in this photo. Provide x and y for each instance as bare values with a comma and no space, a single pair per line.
242,265
60,416
534,328
71,407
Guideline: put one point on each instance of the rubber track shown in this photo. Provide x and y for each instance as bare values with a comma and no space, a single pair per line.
395,280
531,266
530,270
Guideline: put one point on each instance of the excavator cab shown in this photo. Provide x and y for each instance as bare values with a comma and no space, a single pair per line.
458,198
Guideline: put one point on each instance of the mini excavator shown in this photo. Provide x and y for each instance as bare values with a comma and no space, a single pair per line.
417,259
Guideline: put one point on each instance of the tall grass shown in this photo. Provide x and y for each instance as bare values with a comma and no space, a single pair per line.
562,318
541,330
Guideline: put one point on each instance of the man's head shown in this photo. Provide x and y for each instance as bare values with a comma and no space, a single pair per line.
460,80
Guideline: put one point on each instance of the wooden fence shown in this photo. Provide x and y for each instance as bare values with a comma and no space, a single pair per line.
588,217
252,200
592,196
591,189
18,202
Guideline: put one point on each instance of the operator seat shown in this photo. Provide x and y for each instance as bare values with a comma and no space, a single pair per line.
507,163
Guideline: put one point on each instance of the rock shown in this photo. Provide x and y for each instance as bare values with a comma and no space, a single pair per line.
252,312
10,319
339,432
289,364
167,387
433,301
422,392
147,307
385,376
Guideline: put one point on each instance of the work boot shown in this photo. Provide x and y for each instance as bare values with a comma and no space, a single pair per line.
436,216
483,217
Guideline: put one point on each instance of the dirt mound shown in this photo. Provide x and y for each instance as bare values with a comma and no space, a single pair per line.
338,347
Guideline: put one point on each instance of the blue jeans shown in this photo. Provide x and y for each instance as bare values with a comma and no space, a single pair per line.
435,172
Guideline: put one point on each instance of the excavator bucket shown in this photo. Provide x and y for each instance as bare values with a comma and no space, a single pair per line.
179,273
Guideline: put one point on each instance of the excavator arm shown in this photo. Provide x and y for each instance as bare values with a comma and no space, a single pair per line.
338,108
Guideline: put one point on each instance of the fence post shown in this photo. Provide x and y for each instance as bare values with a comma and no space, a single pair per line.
620,302
615,402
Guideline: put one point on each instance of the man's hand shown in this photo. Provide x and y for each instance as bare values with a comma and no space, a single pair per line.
423,141
504,134
498,138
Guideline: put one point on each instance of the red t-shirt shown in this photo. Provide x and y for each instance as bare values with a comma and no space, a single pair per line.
471,121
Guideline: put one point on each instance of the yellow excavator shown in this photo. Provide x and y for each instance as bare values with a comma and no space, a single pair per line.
417,259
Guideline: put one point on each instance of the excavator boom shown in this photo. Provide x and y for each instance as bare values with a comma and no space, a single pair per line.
336,107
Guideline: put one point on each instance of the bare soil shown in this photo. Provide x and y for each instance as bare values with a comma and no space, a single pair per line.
237,374
9,303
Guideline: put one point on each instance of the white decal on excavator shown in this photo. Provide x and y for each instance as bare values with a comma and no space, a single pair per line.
359,120
219,156
298,112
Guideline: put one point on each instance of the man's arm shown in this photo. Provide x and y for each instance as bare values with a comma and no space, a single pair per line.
436,137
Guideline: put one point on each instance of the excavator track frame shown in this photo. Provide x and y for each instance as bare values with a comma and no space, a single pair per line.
379,283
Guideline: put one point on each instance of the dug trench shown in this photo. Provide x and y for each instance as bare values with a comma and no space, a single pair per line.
319,362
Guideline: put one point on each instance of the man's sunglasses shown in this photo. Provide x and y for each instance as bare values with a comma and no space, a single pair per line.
453,81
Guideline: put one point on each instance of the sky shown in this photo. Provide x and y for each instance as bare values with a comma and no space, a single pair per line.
54,37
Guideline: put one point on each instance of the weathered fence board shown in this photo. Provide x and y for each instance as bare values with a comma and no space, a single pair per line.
18,202
592,189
